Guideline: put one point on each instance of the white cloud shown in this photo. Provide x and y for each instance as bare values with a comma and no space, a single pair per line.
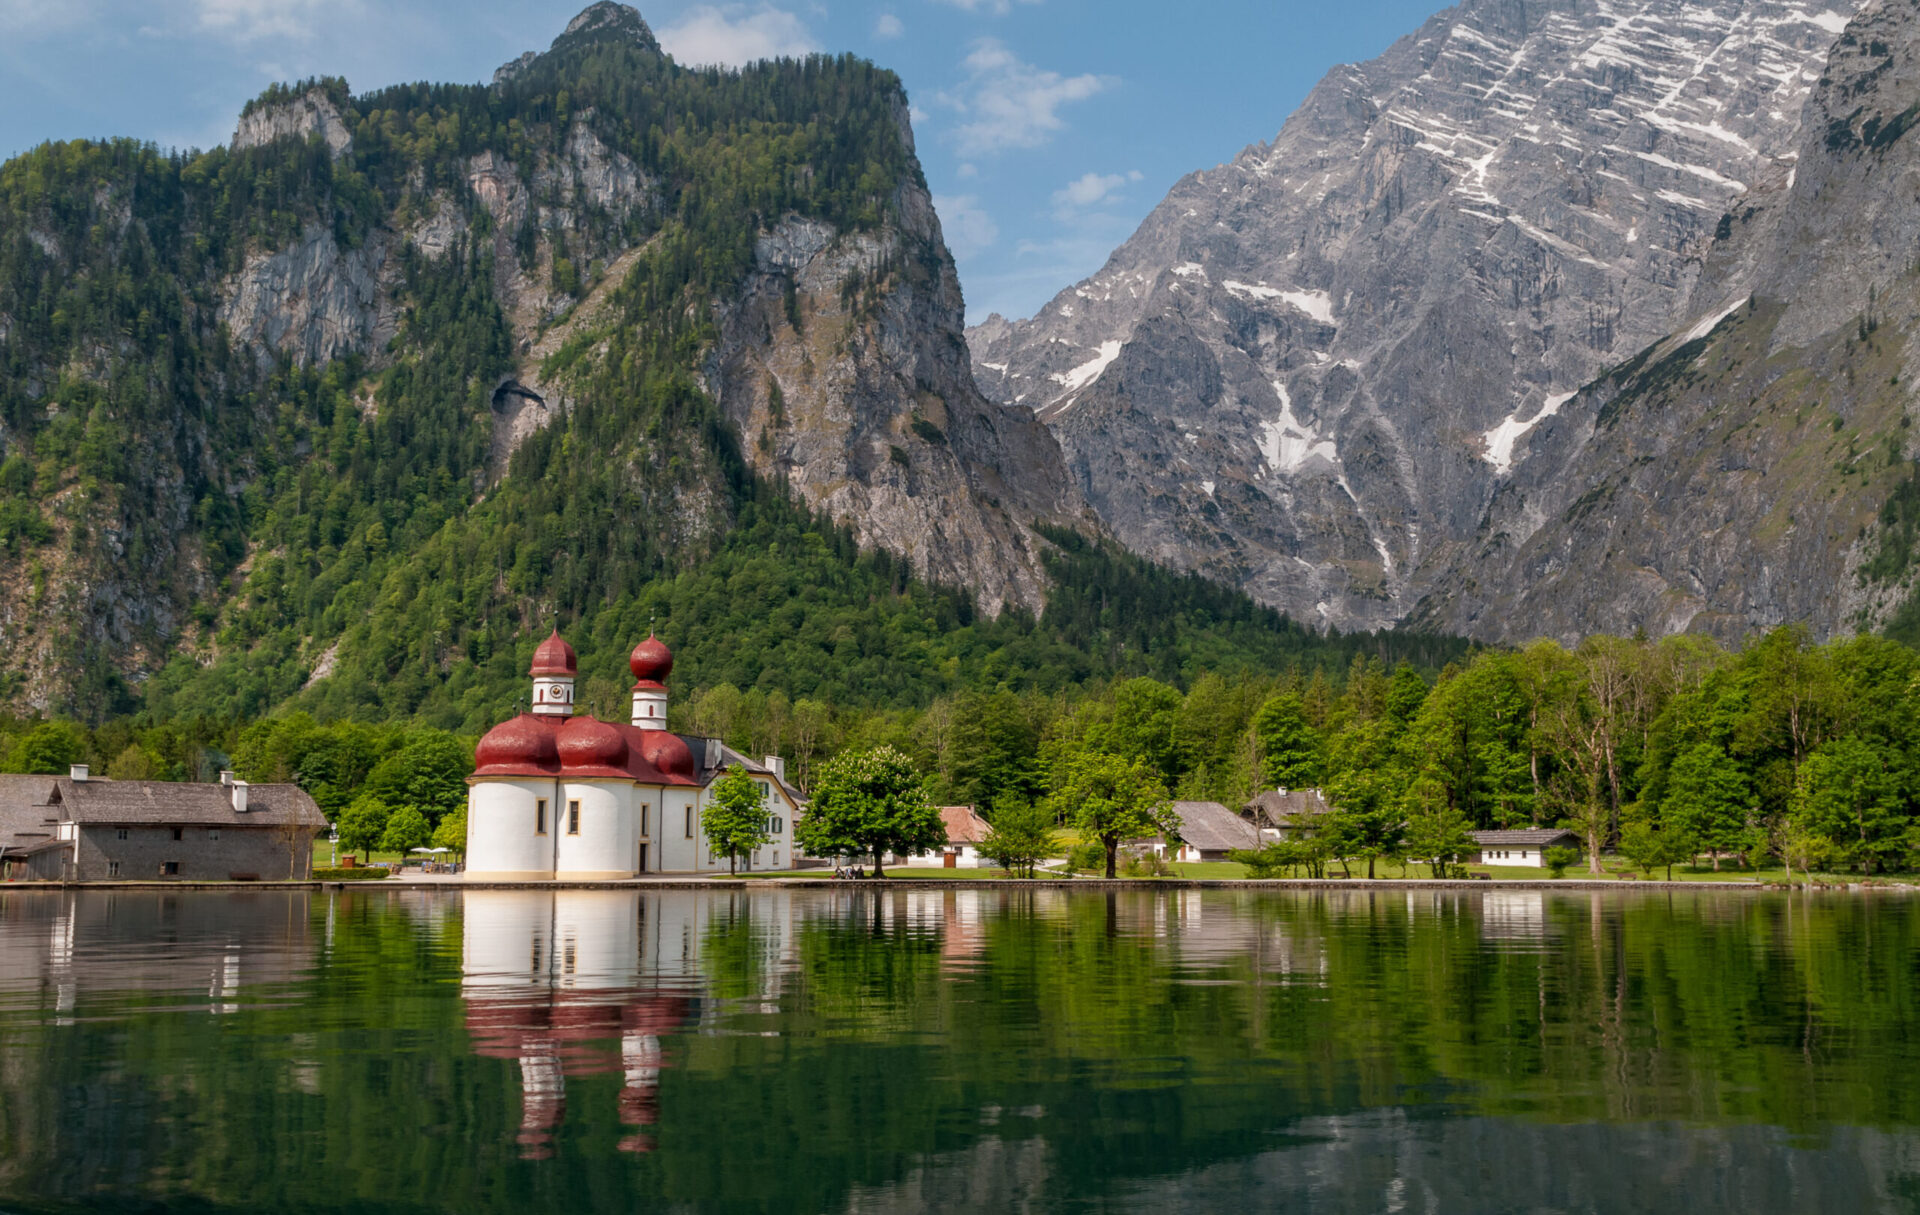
968,227
969,169
889,26
247,20
734,36
998,8
1089,190
1009,103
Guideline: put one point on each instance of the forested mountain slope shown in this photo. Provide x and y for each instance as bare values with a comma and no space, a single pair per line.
397,377
1313,370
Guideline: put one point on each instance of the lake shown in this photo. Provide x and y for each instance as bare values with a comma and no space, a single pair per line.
986,1049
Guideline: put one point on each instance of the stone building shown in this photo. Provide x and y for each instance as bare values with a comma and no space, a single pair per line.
102,830
555,794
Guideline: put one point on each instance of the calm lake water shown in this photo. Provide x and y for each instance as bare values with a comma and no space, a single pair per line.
900,1050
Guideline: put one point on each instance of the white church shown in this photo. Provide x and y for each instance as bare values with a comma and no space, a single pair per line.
560,795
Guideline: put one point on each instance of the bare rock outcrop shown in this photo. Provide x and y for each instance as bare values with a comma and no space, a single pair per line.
312,112
1312,369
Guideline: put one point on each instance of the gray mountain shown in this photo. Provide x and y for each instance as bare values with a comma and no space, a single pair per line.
1314,371
1756,466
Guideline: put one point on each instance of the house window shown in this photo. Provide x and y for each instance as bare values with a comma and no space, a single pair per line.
573,818
170,868
689,822
540,816
113,867
213,833
120,834
766,792
179,832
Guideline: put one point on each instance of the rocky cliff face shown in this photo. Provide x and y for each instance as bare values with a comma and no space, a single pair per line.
341,332
1312,370
1751,468
842,365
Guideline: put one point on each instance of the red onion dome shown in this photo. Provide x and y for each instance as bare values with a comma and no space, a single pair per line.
652,661
555,657
667,753
587,742
518,744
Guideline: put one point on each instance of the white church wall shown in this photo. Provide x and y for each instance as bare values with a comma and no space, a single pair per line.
601,847
503,843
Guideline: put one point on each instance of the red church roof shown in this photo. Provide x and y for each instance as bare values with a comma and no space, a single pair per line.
583,747
555,657
652,662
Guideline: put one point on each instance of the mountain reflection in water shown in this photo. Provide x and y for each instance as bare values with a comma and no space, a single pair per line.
999,1048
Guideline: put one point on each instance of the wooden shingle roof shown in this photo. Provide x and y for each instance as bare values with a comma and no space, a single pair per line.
1211,827
153,801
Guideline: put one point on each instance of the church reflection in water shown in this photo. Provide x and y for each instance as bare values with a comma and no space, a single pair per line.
575,983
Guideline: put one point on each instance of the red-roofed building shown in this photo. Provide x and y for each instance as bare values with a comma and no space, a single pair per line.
559,794
966,831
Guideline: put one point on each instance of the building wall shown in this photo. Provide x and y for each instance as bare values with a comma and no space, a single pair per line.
502,844
603,846
260,852
1519,855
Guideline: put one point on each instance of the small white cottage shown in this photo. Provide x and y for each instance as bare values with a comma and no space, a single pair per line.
966,831
1527,848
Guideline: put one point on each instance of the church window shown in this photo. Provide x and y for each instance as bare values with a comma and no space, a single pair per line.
573,818
643,818
689,822
540,816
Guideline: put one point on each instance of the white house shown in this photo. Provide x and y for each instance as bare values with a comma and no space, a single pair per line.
966,831
1526,848
1208,832
555,794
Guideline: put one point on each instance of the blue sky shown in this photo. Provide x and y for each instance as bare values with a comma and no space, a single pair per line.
1048,128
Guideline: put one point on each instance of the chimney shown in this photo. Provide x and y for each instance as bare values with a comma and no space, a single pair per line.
77,772
239,795
226,776
777,766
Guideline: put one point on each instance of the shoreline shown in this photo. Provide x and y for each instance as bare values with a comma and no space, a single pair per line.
1586,885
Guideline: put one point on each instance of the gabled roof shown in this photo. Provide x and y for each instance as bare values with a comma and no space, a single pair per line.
166,802
1284,807
23,811
1212,827
726,757
964,826
1544,837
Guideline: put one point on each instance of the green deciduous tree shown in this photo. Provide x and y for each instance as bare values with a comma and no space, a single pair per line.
48,749
1437,831
1292,752
1113,799
1023,835
735,818
363,823
1707,800
1849,794
870,802
406,830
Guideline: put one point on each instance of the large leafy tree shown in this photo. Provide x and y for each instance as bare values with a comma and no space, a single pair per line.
1707,800
363,824
1850,795
1292,752
406,830
871,801
1022,836
735,820
1113,799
